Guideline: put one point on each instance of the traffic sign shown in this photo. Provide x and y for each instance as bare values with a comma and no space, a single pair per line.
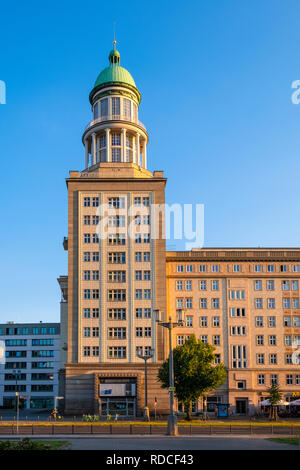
171,389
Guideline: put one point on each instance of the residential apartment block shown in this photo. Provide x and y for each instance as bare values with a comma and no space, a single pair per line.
245,302
30,365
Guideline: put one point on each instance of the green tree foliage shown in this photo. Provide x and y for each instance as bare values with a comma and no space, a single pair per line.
194,371
274,397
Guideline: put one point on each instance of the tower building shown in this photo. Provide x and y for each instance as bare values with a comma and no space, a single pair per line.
116,270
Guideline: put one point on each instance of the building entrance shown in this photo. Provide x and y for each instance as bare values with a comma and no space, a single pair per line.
241,406
119,406
117,396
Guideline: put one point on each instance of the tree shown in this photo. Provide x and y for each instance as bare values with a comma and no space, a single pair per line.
194,371
274,398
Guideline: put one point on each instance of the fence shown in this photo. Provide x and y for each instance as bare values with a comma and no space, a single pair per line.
210,429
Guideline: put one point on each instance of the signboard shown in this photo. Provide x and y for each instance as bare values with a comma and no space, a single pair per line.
171,389
112,390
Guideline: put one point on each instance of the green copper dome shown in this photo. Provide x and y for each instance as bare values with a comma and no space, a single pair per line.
114,72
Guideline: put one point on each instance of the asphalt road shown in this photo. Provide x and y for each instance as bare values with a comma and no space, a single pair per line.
170,443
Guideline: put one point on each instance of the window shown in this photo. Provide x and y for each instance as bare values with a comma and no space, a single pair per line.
95,293
180,268
272,340
295,285
271,303
241,384
271,322
258,303
288,359
86,220
296,268
259,321
138,275
139,332
95,219
117,276
257,285
259,340
286,303
147,256
202,268
116,333
236,268
295,303
274,379
270,268
147,312
203,322
86,275
138,313
179,285
239,356
116,352
203,303
217,359
237,312
116,295
95,312
86,202
115,109
95,275
287,321
214,285
215,268
204,339
257,268
189,268
87,256
180,340
189,321
137,201
289,379
147,293
179,303
87,293
283,268
288,340
95,350
96,256
86,350
189,303
86,332
238,330
116,314
117,257
188,285
147,332
237,294
296,321
95,332
285,285
216,339
202,285
216,321
261,379
273,358
117,202
260,358
116,239
270,285
138,256
87,238
215,303
138,294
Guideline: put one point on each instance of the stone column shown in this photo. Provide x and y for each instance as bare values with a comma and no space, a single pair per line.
94,147
86,143
145,154
108,155
138,150
123,158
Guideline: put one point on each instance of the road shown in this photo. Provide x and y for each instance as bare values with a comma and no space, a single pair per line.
121,442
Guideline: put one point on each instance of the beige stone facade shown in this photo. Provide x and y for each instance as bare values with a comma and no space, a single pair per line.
246,303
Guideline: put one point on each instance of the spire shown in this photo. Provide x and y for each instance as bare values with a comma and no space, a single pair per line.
114,55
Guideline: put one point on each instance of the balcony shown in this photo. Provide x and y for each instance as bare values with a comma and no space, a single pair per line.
115,117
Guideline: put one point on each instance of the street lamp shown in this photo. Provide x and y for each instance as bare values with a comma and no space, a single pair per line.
147,356
172,419
16,373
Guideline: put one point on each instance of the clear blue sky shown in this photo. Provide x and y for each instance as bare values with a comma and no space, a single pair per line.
215,78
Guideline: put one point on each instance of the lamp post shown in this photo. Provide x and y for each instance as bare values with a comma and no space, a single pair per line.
16,372
172,419
145,358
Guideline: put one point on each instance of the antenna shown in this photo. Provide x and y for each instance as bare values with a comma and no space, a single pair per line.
114,41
